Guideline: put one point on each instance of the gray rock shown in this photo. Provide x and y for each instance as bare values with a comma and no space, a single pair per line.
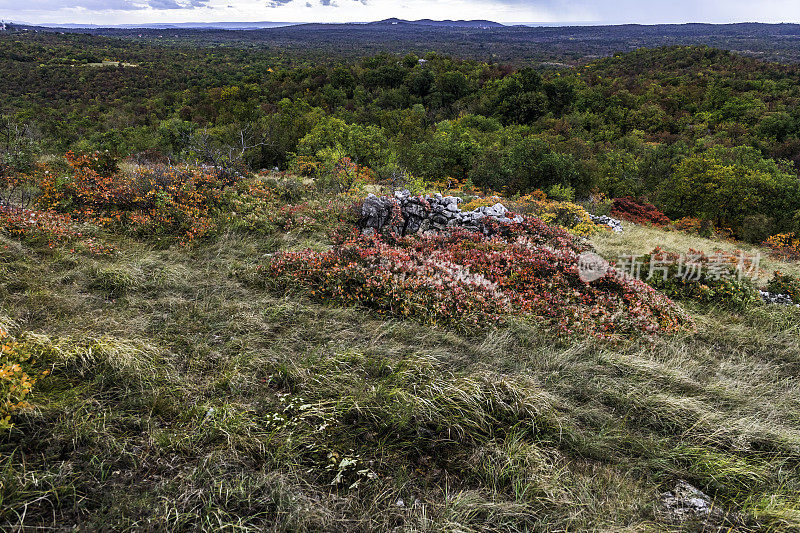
778,299
413,224
375,212
414,209
686,503
426,214
613,223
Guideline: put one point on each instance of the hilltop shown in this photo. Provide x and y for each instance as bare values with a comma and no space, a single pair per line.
190,388
481,24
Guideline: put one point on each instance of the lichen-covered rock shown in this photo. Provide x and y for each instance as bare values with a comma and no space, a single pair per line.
686,505
426,213
613,223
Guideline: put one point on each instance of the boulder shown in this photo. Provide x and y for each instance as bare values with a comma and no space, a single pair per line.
430,213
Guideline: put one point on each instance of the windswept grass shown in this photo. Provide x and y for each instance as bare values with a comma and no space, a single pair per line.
183,398
641,240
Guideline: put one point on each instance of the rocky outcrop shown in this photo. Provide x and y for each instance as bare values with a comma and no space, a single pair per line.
613,223
406,214
780,299
686,504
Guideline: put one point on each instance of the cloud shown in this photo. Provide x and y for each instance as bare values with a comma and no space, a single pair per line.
530,11
174,4
105,5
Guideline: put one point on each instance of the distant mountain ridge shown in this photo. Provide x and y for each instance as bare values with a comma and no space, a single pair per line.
474,24
168,25
442,23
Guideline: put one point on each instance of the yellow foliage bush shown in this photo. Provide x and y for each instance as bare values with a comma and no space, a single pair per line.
16,377
480,202
784,244
568,215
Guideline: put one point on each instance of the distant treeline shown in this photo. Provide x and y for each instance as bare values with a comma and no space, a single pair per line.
699,131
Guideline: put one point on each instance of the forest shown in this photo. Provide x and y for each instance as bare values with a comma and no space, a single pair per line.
659,124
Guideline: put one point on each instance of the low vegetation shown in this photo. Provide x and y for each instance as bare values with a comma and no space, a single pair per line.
248,379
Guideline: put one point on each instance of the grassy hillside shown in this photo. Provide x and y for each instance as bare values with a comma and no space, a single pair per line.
186,395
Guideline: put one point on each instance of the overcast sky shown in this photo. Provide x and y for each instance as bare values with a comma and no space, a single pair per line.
545,11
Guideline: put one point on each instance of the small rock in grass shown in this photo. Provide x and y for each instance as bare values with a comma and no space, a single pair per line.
687,504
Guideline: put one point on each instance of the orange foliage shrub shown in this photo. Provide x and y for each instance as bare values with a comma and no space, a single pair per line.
153,200
16,378
784,244
48,227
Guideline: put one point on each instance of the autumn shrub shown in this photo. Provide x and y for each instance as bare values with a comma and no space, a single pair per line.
470,280
261,206
17,377
638,211
480,201
599,204
702,228
345,175
154,200
572,217
785,284
784,245
47,227
692,226
721,278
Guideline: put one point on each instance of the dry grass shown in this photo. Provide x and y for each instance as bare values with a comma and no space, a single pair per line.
185,398
640,240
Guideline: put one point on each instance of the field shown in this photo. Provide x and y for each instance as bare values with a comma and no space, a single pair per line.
185,395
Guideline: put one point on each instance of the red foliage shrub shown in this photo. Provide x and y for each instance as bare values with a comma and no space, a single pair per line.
471,280
47,227
638,211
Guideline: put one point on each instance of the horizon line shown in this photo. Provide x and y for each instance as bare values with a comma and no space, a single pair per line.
540,24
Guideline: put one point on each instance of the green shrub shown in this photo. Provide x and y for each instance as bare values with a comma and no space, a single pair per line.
698,277
561,193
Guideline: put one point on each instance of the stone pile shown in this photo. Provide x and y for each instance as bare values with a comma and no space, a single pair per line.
780,299
407,214
613,223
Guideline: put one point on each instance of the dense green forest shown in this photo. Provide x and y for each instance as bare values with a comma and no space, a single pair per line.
698,131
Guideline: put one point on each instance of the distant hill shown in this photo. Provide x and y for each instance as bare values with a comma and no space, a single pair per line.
551,47
442,23
174,26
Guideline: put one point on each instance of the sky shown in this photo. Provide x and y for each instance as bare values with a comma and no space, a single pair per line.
506,11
